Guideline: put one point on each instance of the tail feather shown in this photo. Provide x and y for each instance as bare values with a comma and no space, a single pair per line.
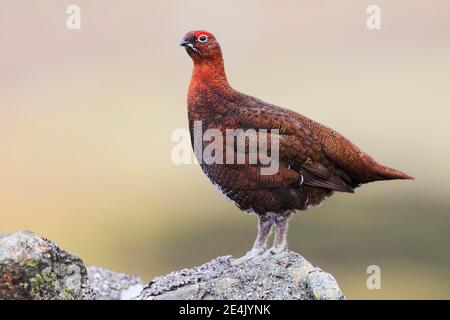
376,171
386,173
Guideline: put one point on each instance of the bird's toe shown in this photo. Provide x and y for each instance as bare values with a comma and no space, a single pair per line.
277,250
253,253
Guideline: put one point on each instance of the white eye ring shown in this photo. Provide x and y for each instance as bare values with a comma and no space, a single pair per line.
202,38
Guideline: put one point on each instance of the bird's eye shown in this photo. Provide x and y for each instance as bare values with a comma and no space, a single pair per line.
202,38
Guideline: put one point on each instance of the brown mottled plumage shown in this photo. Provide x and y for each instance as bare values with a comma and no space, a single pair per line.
315,160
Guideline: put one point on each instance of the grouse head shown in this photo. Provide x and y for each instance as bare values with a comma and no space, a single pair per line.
201,46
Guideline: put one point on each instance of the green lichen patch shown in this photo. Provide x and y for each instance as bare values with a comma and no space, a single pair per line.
32,263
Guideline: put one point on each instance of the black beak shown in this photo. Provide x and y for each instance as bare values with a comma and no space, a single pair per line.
184,42
189,45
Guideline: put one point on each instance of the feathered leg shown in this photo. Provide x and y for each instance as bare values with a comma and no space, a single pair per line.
265,222
281,230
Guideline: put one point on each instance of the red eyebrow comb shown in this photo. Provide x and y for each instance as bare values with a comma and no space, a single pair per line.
202,33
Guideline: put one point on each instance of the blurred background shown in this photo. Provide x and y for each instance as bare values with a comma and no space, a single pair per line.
86,118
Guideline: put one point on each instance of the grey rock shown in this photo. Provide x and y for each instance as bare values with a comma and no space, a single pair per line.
323,285
35,268
286,275
109,285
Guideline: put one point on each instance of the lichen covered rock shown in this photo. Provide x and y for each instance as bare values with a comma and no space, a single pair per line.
35,268
286,275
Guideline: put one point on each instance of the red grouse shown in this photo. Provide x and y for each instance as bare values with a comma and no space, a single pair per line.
314,160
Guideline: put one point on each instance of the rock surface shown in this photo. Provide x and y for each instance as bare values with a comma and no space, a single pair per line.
109,285
282,276
35,268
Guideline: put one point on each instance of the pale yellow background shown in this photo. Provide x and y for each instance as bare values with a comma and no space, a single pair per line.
86,118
